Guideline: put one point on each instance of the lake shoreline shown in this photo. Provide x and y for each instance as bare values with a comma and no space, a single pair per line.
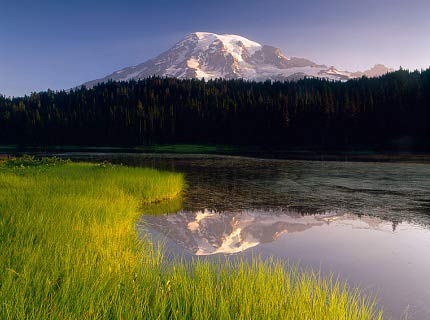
359,155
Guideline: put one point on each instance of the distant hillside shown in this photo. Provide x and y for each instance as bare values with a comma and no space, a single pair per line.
389,111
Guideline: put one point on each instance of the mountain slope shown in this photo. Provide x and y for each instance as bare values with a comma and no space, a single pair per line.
209,55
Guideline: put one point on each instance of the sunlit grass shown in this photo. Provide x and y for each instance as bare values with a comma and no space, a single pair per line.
69,251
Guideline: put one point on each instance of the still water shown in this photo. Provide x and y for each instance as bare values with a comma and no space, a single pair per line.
367,223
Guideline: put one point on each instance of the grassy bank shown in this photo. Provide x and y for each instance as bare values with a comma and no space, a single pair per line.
69,251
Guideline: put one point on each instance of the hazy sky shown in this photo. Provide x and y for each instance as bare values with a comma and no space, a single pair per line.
60,44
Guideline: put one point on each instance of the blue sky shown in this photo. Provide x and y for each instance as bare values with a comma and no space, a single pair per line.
61,44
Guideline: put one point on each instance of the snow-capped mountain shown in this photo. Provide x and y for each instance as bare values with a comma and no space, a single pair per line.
209,55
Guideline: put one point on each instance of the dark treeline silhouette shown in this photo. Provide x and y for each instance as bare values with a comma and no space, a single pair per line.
389,111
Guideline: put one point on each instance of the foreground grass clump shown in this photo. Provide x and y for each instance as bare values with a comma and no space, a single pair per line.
69,251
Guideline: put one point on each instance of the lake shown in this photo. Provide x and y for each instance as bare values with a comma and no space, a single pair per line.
364,222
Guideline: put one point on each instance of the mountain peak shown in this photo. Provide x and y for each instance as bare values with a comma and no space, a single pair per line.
232,43
224,37
376,71
230,56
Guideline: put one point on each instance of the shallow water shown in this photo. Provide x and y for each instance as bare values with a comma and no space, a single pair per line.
368,223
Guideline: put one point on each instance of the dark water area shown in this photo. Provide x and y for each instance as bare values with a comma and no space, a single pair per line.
365,222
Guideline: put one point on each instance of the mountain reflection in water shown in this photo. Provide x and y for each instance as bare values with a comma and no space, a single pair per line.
208,232
387,259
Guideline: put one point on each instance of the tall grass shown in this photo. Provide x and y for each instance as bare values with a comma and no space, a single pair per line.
69,251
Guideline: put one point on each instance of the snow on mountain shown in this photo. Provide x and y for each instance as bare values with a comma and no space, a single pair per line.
209,55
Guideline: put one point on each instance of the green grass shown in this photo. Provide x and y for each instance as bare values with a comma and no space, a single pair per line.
69,251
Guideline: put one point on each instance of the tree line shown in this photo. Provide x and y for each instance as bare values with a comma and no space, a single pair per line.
390,111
